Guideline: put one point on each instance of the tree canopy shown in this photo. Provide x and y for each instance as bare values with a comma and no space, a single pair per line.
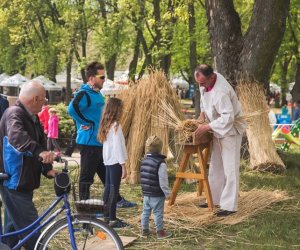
44,36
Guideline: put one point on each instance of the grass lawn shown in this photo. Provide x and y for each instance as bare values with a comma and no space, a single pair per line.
277,227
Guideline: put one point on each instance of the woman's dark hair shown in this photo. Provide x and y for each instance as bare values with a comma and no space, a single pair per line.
91,69
204,69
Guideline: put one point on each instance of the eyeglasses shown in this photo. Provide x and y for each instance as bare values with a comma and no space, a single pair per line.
102,77
42,99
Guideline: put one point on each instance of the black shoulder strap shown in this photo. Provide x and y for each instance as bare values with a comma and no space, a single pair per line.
88,98
76,102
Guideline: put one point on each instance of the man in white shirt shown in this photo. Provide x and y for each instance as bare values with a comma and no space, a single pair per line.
220,107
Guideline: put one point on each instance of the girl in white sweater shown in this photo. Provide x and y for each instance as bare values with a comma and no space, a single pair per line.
114,157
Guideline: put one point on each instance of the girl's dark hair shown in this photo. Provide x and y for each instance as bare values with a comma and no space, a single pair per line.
112,113
204,69
91,69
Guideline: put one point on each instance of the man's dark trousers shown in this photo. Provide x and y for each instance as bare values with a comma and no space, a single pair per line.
91,162
16,218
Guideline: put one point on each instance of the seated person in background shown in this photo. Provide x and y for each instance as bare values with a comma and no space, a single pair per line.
284,117
296,113
272,118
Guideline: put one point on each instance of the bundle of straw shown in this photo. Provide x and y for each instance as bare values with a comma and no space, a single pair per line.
263,155
184,128
128,111
142,105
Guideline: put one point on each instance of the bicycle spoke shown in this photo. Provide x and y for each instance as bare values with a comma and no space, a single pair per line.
89,235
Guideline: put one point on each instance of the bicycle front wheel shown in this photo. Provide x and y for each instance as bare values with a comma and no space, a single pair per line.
90,234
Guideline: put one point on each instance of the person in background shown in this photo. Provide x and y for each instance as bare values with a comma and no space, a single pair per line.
72,145
53,131
272,119
296,112
22,144
284,117
222,109
155,187
114,157
63,94
3,105
44,117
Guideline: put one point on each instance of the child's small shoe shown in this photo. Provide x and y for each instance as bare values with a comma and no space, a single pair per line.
145,232
162,234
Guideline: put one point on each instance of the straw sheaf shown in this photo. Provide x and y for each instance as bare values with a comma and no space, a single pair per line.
141,106
263,155
183,128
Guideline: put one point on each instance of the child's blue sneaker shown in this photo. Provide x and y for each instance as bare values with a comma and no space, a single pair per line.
125,203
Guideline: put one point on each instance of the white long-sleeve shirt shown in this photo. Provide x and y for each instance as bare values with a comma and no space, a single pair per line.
221,106
114,148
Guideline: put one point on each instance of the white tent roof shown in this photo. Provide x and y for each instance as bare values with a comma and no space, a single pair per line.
62,78
3,76
178,81
14,81
111,88
48,84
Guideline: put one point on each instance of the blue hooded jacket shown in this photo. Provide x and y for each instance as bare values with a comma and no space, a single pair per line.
86,109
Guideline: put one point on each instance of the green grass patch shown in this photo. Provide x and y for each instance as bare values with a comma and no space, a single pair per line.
276,227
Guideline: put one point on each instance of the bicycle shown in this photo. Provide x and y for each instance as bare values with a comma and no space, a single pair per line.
72,231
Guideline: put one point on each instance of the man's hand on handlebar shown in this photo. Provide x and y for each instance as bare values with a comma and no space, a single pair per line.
52,173
47,157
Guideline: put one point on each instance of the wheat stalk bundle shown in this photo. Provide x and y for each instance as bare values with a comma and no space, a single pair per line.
127,115
183,128
142,106
263,155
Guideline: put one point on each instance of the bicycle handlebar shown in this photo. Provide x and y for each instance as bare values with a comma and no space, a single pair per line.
59,160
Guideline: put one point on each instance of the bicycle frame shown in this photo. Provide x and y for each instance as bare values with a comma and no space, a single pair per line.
36,226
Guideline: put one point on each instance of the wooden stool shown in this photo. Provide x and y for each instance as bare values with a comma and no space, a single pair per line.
202,151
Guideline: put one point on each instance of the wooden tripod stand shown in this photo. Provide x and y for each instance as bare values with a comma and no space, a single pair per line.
202,151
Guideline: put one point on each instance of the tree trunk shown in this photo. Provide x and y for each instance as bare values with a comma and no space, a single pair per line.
193,57
296,89
52,69
263,38
226,40
82,71
110,66
284,83
250,57
68,82
134,61
197,101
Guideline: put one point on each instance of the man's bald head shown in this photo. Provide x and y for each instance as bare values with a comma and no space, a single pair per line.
32,96
31,89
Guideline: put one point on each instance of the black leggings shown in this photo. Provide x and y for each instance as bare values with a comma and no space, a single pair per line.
112,188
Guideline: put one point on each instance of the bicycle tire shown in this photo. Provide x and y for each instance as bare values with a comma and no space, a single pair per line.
57,236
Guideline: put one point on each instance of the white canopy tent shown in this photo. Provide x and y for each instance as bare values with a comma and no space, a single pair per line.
61,81
180,82
48,84
14,81
3,76
112,88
